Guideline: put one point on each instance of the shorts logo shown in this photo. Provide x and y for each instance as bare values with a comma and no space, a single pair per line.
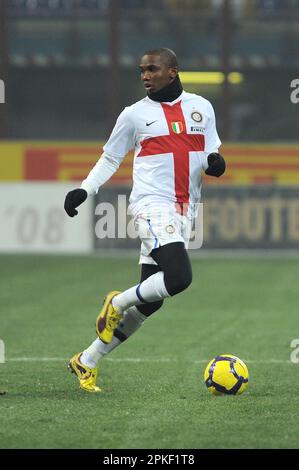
196,116
170,229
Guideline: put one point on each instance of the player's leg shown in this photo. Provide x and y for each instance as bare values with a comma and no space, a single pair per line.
161,233
174,276
132,320
174,262
135,316
147,310
85,364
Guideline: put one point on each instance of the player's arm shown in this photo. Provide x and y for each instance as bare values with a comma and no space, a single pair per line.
101,172
118,145
213,162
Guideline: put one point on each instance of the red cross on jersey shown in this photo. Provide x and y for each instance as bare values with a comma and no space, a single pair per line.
171,142
180,144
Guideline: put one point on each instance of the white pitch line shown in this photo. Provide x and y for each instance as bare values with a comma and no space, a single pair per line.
141,360
59,359
35,359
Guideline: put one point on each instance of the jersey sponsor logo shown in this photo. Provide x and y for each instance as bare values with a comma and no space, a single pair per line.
177,127
196,116
197,129
150,123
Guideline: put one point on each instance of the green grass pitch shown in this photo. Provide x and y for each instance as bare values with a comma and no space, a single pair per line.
153,390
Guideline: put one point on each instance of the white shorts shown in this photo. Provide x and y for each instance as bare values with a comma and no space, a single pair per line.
159,225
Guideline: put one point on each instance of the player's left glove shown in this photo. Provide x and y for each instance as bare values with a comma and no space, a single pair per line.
73,199
216,165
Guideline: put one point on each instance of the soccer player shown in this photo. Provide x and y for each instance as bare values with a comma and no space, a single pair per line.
175,138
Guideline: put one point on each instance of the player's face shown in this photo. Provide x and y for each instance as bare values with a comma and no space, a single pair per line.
155,75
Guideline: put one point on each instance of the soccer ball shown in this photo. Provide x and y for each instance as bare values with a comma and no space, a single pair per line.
226,374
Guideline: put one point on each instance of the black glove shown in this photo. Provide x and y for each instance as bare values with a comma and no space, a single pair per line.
216,165
73,199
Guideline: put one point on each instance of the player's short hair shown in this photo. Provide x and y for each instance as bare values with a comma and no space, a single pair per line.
167,55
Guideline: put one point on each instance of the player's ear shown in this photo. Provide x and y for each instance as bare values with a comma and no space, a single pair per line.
173,73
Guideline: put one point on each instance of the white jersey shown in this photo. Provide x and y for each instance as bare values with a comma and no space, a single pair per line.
171,141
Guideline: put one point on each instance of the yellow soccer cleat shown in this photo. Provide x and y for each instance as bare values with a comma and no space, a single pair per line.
108,319
87,377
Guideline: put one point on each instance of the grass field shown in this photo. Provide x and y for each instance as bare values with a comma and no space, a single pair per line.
153,390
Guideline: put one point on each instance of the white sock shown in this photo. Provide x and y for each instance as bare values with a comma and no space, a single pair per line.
150,290
91,356
132,320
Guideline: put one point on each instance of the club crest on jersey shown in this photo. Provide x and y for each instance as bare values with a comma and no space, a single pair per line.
177,127
196,116
170,229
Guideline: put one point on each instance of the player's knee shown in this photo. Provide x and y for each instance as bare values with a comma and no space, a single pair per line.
149,309
177,282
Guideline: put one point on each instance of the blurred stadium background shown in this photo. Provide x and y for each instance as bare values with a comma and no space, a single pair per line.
68,67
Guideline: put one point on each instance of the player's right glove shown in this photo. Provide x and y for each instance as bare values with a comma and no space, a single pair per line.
73,199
